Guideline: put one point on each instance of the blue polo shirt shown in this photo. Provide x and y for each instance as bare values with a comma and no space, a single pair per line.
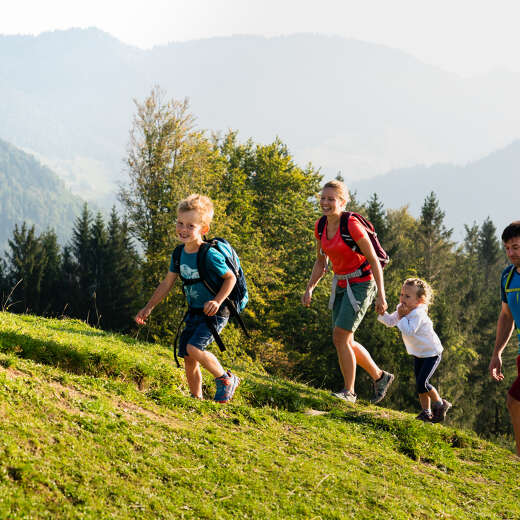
511,295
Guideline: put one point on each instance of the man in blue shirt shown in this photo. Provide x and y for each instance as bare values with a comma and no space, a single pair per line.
509,316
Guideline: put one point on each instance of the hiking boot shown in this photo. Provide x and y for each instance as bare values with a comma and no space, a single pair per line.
381,387
425,416
439,411
346,395
226,386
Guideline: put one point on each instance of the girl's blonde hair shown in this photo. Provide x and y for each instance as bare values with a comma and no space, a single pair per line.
199,203
423,288
340,188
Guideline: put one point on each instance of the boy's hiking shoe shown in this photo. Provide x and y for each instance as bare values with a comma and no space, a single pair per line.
226,386
381,387
346,395
439,411
425,416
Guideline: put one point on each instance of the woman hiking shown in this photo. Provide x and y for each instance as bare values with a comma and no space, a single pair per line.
358,276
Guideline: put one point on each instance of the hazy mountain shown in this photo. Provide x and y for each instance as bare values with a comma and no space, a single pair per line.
33,193
343,104
480,189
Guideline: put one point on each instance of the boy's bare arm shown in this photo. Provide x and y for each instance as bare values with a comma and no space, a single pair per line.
159,294
212,306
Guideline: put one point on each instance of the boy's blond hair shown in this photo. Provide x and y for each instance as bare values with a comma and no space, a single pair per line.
423,288
340,189
199,203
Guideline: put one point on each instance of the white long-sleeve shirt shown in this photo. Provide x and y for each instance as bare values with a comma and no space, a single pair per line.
417,330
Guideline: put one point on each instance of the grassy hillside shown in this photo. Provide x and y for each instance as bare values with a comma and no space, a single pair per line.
94,425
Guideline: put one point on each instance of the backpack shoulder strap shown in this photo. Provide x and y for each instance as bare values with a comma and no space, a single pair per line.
202,257
176,255
321,225
344,232
509,276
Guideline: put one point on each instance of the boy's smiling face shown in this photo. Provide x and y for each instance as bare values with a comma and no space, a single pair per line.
189,227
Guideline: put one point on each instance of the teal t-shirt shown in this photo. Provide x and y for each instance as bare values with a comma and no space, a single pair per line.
197,294
511,295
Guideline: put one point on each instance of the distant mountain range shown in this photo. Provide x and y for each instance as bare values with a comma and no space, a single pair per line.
345,105
489,187
33,193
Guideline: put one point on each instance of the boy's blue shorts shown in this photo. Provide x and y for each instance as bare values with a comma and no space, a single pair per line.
197,333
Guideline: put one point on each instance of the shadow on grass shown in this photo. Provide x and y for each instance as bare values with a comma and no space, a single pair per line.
82,361
430,443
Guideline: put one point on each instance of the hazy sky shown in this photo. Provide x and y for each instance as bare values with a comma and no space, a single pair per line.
464,36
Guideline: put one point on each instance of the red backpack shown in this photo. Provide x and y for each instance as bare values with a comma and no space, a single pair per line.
381,254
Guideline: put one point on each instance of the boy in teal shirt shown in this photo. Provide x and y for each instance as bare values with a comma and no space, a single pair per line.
194,215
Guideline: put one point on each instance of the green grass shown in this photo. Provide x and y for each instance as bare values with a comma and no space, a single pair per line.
95,425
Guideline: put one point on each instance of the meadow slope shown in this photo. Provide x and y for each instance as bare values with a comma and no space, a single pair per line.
95,425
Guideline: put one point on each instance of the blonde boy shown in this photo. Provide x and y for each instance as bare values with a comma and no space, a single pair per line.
194,215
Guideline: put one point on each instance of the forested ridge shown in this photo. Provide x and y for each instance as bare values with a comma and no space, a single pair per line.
32,193
266,206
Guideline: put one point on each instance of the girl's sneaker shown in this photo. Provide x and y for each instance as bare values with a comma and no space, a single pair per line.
425,416
226,386
346,395
439,411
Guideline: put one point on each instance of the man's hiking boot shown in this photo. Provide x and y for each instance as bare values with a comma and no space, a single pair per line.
425,416
226,386
381,387
346,395
439,411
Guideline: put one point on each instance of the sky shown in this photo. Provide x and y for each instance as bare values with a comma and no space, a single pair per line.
468,37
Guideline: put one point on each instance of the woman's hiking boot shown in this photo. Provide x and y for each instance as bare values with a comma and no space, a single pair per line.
346,395
381,387
425,416
226,386
439,411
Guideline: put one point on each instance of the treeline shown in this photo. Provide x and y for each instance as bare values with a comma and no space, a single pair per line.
266,206
94,278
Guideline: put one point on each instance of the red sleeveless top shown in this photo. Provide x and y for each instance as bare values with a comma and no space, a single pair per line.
343,259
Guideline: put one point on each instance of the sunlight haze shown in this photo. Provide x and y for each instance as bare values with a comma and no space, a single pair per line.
466,37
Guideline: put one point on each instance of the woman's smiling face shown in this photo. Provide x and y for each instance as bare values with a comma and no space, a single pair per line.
330,202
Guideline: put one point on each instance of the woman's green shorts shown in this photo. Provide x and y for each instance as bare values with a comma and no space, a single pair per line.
343,314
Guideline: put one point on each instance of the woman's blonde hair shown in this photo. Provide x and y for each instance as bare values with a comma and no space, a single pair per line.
199,203
340,188
423,288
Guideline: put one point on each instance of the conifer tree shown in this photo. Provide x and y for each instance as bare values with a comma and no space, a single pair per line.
80,248
50,296
489,252
27,262
117,295
433,239
376,214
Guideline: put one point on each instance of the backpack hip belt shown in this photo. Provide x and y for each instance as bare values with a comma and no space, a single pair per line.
350,294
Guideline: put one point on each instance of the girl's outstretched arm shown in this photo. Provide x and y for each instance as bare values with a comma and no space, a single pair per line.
390,320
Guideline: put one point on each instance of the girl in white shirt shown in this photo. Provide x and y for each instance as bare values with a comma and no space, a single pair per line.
421,341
